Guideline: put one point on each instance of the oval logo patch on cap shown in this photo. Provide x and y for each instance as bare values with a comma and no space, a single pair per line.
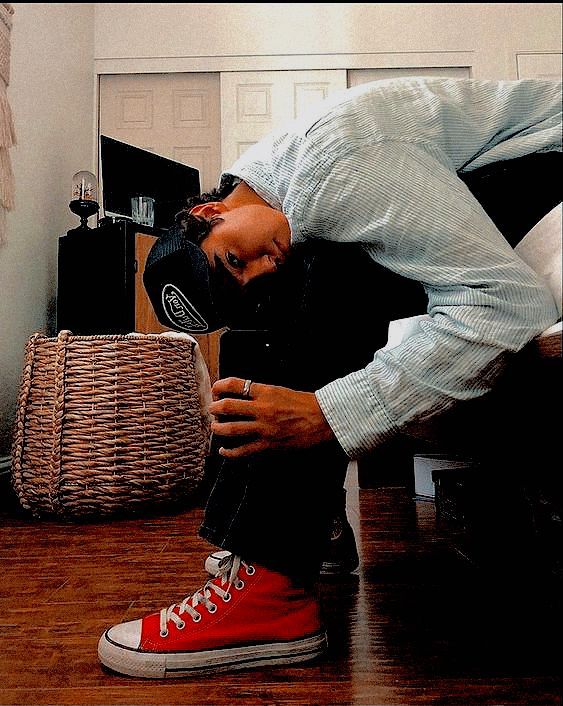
180,312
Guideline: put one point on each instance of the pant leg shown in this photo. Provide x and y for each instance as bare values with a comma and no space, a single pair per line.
276,508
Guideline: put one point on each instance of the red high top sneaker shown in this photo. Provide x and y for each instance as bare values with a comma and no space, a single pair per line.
246,616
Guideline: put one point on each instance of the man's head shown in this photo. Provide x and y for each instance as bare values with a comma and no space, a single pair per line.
238,230
248,240
194,274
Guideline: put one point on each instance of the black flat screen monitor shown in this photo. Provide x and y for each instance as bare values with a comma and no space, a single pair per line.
129,171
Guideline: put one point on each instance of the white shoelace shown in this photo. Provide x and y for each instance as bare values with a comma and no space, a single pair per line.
228,572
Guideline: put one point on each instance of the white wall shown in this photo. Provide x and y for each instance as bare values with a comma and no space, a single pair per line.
57,48
52,97
176,36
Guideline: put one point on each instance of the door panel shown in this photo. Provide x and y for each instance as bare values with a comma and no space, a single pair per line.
359,76
540,65
255,102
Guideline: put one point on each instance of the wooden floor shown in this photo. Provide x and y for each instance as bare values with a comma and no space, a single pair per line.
418,625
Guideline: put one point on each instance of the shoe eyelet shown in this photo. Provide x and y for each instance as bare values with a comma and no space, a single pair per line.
227,597
196,620
239,585
164,634
250,570
181,625
214,609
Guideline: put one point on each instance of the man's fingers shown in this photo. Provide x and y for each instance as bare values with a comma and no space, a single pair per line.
227,386
231,406
244,450
234,428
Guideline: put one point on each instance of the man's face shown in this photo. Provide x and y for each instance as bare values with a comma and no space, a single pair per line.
250,241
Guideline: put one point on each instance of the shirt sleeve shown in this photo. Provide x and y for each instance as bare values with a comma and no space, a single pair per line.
413,215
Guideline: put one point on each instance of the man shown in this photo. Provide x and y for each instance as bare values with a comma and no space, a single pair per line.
411,176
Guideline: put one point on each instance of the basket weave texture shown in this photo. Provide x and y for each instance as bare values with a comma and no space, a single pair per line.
107,424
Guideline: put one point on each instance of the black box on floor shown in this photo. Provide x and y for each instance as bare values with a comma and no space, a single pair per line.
503,521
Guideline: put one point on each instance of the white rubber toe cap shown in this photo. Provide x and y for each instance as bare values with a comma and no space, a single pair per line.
126,634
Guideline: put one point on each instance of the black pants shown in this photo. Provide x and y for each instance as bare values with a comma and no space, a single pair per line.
303,329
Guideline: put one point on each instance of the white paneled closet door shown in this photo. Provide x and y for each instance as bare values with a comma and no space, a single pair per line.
359,76
175,115
255,102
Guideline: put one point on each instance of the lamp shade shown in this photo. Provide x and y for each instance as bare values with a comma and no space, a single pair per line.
84,187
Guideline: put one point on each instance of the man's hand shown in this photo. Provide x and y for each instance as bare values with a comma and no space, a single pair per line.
274,418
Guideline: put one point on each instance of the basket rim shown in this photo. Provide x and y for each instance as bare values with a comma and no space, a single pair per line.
133,335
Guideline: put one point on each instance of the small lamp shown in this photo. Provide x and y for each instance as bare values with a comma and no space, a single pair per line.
84,200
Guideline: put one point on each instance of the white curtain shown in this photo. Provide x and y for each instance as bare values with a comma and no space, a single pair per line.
7,134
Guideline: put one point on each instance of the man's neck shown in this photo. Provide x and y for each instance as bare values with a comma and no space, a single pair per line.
243,195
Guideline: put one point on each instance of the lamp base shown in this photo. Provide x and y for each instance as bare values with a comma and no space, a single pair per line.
84,209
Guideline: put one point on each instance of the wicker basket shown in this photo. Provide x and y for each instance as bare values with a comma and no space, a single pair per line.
107,424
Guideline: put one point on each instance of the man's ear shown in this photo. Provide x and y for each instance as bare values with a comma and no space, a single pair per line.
208,210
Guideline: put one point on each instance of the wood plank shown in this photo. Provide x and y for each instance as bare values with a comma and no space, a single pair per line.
145,318
417,625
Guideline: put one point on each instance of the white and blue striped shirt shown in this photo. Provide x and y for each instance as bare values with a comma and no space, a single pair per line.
377,165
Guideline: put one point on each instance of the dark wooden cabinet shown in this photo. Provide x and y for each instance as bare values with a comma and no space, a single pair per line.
100,284
100,288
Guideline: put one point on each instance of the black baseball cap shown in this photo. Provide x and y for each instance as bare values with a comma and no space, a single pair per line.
185,292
